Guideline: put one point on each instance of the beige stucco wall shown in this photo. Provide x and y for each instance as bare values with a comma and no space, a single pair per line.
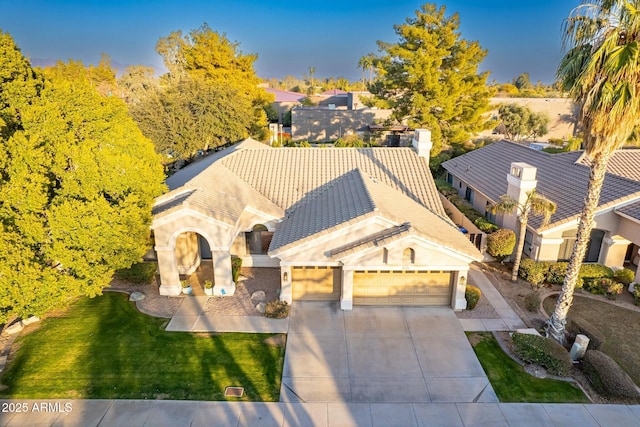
324,125
187,253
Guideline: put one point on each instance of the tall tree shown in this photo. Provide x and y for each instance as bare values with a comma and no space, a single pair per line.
523,82
77,180
206,57
136,83
535,204
430,78
519,122
601,71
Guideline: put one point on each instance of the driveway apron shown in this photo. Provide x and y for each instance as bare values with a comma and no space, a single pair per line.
380,355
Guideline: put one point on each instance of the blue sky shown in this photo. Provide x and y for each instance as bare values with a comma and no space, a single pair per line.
289,36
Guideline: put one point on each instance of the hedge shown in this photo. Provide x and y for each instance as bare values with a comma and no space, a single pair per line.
542,351
236,264
140,273
606,376
556,271
472,294
624,276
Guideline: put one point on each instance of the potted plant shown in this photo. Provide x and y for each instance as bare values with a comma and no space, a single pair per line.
186,287
208,287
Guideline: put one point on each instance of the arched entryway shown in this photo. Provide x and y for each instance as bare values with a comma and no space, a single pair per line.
194,261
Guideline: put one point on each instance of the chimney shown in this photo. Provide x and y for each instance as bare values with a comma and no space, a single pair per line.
421,142
520,180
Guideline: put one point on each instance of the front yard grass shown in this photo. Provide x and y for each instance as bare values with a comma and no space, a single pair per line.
617,327
104,348
512,384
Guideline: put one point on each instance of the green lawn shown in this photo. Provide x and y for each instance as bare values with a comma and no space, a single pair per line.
617,326
104,348
512,384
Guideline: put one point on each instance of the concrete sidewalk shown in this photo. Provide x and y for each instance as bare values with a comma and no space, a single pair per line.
172,413
509,320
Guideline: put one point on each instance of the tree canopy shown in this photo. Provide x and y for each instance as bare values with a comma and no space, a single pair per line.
209,97
430,78
77,179
519,122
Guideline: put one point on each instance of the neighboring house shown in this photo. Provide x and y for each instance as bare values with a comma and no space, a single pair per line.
358,225
322,124
482,176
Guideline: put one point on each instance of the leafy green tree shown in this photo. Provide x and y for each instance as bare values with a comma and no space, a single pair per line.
533,204
430,78
137,82
101,77
77,179
193,114
523,82
205,60
601,72
519,122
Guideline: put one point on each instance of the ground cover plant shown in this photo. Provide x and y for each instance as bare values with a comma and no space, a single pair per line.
510,381
104,348
617,326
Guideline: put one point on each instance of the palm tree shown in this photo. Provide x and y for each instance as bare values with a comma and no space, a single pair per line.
367,63
601,71
535,204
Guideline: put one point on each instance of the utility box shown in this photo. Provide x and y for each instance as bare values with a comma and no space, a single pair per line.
579,347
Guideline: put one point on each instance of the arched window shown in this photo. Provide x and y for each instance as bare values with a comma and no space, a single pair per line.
408,256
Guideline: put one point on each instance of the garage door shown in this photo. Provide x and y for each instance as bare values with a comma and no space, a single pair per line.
316,283
402,287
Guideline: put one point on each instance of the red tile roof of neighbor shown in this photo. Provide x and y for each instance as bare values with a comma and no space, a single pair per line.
285,95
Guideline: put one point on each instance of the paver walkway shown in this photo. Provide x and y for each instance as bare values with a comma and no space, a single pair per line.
191,317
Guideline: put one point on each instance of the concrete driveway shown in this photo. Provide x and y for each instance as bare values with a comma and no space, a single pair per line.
379,355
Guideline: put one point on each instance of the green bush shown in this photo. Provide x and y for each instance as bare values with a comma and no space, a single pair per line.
445,188
236,264
597,286
636,294
607,377
532,301
595,271
556,273
533,272
472,294
485,225
500,244
277,310
140,273
624,276
542,351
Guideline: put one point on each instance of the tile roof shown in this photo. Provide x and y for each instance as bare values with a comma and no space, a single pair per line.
631,211
561,177
285,95
354,197
315,190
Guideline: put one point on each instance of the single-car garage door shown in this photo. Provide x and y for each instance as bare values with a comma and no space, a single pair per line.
402,287
316,283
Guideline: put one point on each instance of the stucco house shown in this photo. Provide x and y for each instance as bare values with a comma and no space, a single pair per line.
482,176
358,225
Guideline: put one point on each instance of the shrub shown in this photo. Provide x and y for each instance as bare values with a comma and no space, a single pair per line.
533,272
624,276
445,188
236,264
277,310
606,376
532,301
595,271
636,294
613,290
597,286
542,351
472,294
501,243
556,273
140,273
485,225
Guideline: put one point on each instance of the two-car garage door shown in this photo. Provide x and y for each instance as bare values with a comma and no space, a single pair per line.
374,287
402,287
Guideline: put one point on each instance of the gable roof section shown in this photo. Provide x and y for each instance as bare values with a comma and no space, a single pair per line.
561,177
355,197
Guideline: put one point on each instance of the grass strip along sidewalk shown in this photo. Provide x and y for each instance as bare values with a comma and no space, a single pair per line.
104,348
510,381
